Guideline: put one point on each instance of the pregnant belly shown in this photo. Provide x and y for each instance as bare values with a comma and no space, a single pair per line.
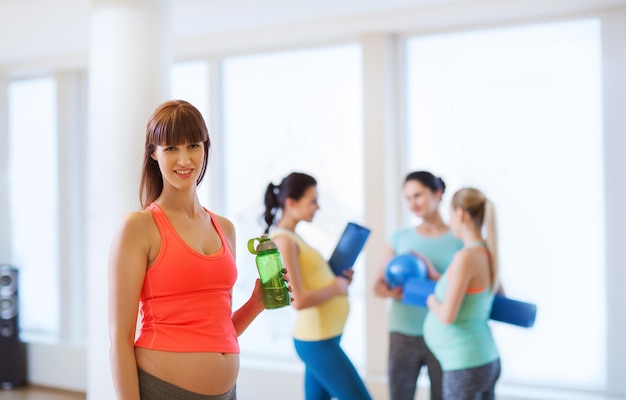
202,372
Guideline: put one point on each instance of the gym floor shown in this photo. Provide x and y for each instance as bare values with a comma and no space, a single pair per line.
39,393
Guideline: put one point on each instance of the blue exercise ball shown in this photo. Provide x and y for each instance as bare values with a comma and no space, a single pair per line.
403,267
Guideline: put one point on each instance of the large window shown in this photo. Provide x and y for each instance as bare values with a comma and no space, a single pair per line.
516,112
33,188
284,112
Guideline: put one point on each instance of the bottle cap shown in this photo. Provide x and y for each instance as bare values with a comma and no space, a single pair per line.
265,243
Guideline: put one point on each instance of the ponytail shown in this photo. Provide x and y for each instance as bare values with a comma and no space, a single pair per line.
271,206
482,214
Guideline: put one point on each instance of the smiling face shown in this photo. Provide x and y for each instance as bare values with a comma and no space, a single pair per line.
173,122
180,165
304,208
421,200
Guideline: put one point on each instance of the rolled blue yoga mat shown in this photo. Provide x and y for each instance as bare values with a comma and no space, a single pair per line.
348,247
505,310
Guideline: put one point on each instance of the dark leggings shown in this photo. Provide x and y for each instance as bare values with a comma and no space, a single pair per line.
153,388
476,383
329,372
407,356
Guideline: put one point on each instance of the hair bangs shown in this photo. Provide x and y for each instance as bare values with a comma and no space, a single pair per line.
178,125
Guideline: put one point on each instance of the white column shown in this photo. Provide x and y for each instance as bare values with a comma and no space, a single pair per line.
129,64
383,178
5,229
614,98
72,115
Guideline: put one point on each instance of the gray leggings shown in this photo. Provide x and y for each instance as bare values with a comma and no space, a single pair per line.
153,388
476,383
407,356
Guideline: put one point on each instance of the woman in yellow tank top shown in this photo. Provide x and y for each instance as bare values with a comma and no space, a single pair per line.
321,298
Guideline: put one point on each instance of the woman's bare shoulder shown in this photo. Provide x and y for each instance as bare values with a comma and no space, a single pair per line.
138,224
138,218
468,259
462,259
285,241
226,224
135,239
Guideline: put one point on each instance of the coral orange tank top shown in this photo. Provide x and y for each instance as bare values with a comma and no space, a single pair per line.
185,301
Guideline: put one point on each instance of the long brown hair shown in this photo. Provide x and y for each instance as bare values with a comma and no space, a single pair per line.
482,212
172,123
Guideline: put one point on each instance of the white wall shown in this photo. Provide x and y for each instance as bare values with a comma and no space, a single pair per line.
57,365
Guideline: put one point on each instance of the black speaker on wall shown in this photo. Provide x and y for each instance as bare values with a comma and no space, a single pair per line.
12,350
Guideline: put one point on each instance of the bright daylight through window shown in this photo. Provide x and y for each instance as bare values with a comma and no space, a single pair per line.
516,112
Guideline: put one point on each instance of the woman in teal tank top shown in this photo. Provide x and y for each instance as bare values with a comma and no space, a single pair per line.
434,242
456,327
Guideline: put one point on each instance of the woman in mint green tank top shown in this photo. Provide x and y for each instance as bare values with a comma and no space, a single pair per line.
434,242
456,327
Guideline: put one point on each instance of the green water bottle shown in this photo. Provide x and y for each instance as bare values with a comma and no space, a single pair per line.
270,265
